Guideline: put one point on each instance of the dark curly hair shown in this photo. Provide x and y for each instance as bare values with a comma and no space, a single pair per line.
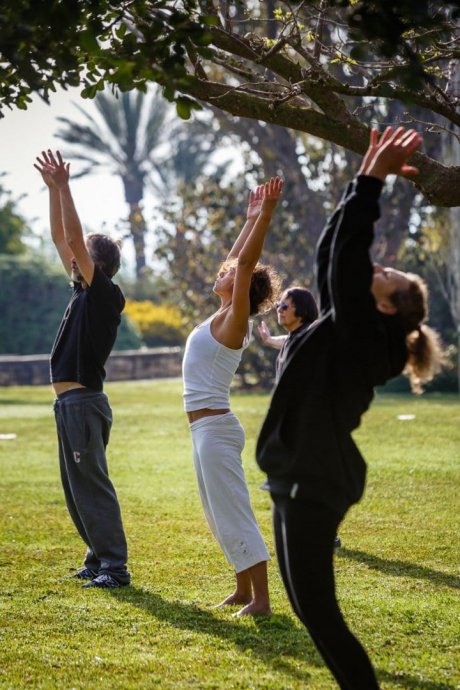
105,252
265,286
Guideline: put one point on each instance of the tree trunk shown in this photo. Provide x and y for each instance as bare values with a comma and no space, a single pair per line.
451,151
138,229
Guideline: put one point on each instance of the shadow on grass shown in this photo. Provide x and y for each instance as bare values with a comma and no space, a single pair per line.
412,683
273,639
401,568
27,401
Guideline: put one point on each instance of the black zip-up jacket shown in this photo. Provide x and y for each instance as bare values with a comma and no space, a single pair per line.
305,444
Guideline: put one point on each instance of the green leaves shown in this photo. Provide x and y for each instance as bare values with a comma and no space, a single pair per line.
13,227
71,43
185,105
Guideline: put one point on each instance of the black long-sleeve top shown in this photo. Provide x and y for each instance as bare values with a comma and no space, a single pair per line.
305,444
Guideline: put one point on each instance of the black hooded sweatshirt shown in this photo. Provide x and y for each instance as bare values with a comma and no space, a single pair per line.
305,444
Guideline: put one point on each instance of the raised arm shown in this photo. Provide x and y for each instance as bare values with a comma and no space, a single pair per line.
252,213
323,248
249,255
350,271
231,327
266,197
56,226
323,251
58,172
274,341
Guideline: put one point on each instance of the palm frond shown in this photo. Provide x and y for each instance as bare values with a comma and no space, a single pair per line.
131,107
89,140
109,109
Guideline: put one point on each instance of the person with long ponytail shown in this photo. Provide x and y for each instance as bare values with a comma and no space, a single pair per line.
371,328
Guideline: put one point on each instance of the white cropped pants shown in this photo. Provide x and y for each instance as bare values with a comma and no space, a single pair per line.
218,442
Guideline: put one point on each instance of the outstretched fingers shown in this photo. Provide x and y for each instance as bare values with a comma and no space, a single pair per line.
404,146
53,168
411,140
410,144
387,136
273,188
393,151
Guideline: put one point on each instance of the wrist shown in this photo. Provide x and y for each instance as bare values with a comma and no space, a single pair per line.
378,171
64,188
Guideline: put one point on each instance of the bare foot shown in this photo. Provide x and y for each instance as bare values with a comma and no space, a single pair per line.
255,609
234,599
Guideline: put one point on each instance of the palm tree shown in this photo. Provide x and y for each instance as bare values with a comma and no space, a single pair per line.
128,142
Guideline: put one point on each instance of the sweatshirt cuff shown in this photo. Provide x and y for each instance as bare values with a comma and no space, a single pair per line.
371,186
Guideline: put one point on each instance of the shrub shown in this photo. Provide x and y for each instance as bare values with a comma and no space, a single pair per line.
33,298
158,324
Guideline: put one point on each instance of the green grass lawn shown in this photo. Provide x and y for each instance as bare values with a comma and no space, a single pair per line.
397,575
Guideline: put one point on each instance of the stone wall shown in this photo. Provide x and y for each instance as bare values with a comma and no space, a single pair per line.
123,365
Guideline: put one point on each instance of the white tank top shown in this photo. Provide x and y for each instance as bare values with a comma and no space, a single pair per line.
208,368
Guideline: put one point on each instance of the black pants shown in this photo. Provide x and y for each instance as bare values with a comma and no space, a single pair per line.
83,420
304,537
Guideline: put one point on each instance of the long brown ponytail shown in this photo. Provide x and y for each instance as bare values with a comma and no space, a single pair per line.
423,344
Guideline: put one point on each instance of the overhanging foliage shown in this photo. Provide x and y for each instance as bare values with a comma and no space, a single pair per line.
326,69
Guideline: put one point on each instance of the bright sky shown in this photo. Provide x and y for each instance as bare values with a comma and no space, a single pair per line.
99,198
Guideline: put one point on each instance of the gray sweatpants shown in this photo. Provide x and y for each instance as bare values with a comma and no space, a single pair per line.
83,421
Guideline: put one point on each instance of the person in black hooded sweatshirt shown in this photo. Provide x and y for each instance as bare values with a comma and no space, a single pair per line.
369,330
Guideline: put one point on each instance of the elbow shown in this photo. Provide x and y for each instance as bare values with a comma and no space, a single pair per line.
246,262
72,241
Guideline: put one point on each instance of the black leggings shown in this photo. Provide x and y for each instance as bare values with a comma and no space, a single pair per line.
304,537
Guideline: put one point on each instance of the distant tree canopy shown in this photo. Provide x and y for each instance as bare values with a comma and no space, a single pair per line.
13,226
32,301
326,68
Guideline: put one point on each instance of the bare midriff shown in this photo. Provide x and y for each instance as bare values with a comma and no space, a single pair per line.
64,386
204,412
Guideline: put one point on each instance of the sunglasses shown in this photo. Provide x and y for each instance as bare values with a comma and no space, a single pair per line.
282,306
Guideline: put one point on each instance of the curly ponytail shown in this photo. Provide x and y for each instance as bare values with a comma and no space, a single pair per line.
426,356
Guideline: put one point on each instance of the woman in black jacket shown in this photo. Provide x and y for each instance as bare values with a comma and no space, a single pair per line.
369,330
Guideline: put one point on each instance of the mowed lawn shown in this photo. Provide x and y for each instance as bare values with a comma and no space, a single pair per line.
397,573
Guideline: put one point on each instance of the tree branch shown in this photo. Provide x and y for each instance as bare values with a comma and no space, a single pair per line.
440,184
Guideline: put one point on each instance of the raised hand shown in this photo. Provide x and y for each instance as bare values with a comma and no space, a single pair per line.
264,196
372,149
389,154
271,192
255,202
264,331
41,166
53,169
262,201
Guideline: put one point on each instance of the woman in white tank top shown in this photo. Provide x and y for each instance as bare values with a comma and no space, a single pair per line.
212,354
